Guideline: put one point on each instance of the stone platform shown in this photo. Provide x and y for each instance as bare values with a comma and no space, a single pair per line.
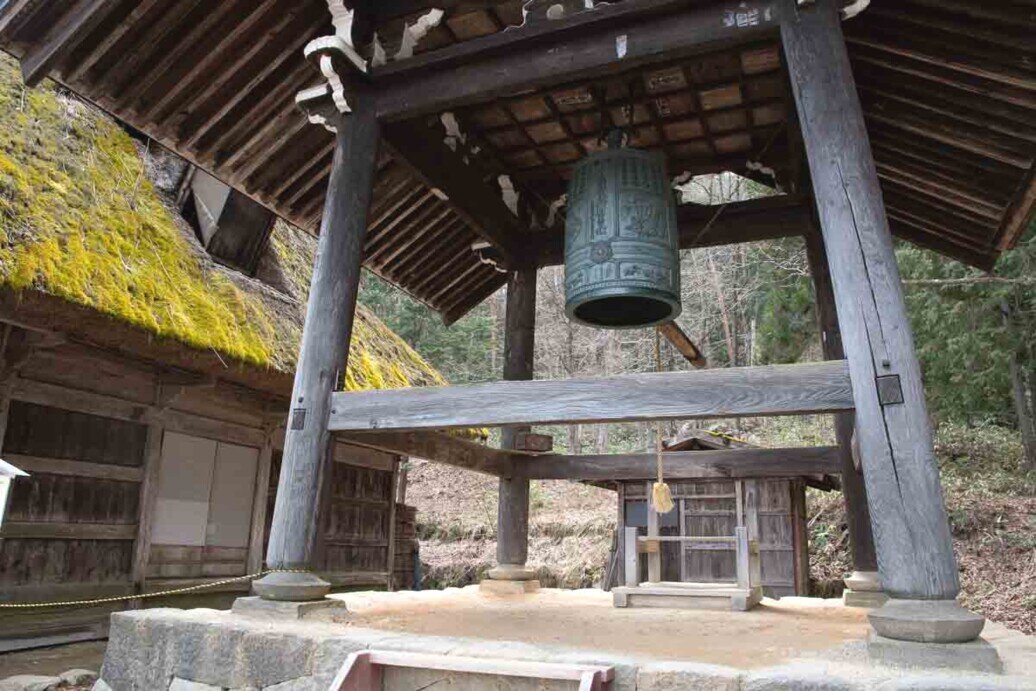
796,643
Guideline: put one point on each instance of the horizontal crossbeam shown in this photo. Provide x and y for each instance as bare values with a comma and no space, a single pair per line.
723,463
821,387
586,44
439,447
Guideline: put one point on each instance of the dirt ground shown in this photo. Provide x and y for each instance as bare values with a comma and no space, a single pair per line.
586,619
53,661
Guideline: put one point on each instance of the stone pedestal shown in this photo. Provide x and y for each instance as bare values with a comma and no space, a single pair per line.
926,621
510,579
491,586
973,656
258,608
291,587
863,589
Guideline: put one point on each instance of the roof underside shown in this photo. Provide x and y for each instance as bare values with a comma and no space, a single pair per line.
948,90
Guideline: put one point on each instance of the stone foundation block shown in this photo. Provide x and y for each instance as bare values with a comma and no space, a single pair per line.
868,599
973,656
258,608
676,676
926,621
491,586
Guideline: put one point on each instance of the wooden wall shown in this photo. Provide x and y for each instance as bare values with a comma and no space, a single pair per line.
773,511
88,425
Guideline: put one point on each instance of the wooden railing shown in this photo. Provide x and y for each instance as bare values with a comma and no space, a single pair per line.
748,567
362,671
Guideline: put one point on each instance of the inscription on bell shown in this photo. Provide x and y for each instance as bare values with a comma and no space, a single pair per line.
622,258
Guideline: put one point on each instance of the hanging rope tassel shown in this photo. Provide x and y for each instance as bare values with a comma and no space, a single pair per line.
661,496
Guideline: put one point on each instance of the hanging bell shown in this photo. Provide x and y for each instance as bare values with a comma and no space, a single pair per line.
622,252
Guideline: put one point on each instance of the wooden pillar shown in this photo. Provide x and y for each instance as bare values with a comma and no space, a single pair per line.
146,511
512,546
911,532
322,358
861,539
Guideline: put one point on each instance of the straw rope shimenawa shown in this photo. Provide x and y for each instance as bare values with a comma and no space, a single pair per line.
143,596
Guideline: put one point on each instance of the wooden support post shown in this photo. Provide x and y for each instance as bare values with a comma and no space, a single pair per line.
260,502
630,558
861,539
911,532
323,355
390,557
146,512
512,546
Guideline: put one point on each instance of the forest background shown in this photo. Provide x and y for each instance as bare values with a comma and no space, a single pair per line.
753,304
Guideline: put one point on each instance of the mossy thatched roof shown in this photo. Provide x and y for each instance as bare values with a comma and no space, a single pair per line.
81,220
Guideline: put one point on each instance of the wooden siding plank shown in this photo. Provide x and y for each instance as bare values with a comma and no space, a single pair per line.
68,531
770,390
61,466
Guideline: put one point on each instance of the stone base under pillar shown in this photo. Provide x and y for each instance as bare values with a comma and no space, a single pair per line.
511,572
869,599
319,610
973,656
291,586
493,586
926,621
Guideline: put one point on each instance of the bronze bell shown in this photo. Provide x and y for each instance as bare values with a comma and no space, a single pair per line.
622,252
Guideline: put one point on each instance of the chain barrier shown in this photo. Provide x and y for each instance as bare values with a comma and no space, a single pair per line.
144,596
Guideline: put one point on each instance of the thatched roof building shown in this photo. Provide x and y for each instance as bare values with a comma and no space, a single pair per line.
90,245
144,384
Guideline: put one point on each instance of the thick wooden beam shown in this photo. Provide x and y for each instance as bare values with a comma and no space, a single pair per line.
911,532
821,387
443,169
436,446
732,463
768,218
323,354
608,38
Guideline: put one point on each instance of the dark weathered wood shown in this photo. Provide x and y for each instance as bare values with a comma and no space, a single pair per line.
260,505
325,340
512,522
72,28
390,559
733,463
436,446
915,554
62,466
821,387
861,538
68,531
441,168
579,46
683,343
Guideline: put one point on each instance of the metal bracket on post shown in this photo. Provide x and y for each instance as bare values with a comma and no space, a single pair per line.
890,389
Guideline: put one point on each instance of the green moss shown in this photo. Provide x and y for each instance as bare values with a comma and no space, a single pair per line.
80,220
379,358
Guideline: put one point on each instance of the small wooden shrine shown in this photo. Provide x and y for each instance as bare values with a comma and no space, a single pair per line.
456,127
